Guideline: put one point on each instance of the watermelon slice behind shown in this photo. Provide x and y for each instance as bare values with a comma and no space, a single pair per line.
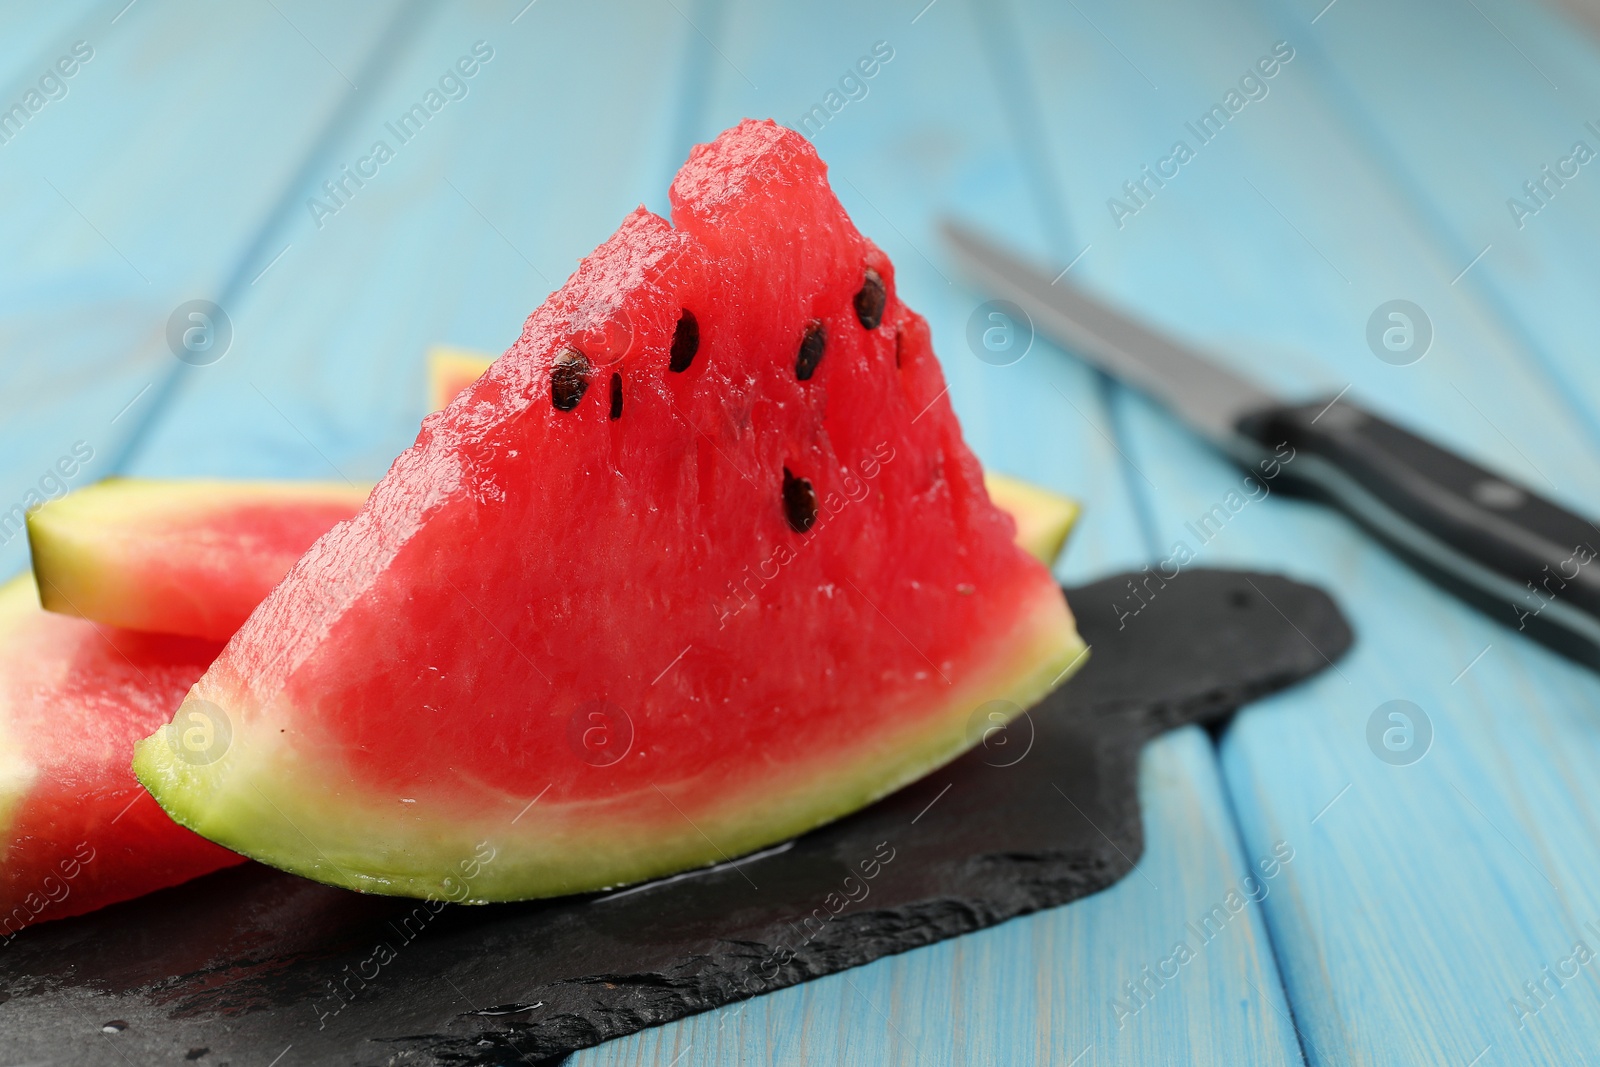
179,557
195,558
77,830
451,370
700,563
1044,518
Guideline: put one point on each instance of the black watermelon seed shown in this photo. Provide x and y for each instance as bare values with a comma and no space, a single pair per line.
616,396
812,346
685,342
569,378
799,502
870,300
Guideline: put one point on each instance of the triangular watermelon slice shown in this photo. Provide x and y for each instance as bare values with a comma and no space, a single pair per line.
76,830
700,563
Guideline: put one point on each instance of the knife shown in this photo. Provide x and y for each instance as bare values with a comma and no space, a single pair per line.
1527,562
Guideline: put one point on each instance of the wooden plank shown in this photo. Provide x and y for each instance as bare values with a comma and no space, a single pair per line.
175,141
1462,147
455,239
145,185
1429,893
31,39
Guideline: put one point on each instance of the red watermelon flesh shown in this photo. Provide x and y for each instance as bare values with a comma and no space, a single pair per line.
700,563
77,829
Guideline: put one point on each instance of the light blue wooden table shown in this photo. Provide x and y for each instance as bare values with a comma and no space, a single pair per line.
1431,911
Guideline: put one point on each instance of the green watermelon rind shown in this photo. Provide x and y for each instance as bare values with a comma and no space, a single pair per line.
249,801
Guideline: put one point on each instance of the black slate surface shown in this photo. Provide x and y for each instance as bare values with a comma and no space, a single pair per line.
234,968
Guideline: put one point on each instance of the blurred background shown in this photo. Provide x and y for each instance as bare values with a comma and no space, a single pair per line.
163,156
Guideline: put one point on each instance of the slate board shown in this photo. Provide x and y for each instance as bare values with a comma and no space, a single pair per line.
236,967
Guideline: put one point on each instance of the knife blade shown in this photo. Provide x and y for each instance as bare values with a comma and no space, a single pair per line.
1526,561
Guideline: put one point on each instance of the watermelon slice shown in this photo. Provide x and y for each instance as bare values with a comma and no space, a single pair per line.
195,559
701,563
192,557
451,370
77,830
1044,519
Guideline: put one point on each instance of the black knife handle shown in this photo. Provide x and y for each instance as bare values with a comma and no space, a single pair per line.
1528,562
